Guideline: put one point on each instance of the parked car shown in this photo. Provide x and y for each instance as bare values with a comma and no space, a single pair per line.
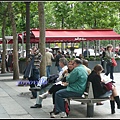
79,51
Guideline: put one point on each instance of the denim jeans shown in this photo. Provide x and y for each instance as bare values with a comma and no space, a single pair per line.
59,68
43,90
48,70
59,98
109,69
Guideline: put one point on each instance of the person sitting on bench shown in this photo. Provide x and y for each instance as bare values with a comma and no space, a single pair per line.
99,90
55,87
76,84
63,64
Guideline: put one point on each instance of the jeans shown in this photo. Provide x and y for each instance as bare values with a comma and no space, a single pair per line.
59,98
109,69
59,68
48,70
43,90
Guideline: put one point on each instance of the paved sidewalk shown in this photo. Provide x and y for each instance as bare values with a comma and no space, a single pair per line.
15,102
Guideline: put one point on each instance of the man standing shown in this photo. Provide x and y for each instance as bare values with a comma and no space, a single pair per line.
58,56
32,71
49,57
86,53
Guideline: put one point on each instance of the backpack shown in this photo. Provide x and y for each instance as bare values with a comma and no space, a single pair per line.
52,78
67,106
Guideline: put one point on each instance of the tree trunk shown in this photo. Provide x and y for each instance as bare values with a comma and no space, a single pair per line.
3,65
42,37
27,30
15,43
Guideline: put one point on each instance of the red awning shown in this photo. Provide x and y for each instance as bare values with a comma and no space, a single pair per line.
9,40
75,35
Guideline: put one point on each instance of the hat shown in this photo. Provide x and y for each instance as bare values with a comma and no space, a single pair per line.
108,46
47,49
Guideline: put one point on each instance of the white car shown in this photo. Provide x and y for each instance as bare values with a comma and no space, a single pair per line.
79,51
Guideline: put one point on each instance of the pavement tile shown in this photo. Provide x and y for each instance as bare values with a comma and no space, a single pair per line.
15,102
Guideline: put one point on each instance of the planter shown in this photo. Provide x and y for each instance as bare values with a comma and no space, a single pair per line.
22,65
53,69
117,68
91,65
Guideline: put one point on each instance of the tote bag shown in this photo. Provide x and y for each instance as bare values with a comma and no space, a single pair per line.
114,63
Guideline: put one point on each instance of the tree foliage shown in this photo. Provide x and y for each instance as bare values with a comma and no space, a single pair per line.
67,15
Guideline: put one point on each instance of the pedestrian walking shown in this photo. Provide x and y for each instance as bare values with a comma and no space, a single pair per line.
102,59
58,56
109,67
49,57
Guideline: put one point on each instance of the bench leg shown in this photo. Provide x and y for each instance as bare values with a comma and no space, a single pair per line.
90,109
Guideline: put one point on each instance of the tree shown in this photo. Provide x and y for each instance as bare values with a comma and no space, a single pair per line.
42,37
4,14
15,43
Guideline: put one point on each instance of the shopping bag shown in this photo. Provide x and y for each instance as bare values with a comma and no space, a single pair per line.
114,63
108,86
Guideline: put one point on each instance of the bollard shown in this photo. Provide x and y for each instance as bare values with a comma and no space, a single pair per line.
90,109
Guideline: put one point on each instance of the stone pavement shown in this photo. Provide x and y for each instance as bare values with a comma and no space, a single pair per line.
15,102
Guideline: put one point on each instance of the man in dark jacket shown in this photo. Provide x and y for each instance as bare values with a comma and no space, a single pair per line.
32,72
58,56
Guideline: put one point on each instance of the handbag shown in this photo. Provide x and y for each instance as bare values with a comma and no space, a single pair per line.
108,86
114,63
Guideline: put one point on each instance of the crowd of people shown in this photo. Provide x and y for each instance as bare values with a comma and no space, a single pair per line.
72,80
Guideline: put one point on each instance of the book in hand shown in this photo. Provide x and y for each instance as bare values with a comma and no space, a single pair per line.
106,79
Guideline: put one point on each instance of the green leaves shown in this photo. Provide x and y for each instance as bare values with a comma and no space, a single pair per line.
67,14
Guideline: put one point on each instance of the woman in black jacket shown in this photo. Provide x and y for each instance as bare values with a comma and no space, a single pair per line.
98,89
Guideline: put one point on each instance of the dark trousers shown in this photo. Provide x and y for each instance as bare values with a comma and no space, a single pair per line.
54,89
103,64
109,69
33,83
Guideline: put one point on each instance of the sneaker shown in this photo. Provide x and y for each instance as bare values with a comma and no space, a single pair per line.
63,115
43,96
59,115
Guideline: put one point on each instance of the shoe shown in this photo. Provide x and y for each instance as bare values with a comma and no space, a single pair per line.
113,81
44,95
53,111
99,103
82,103
36,106
37,88
33,97
59,115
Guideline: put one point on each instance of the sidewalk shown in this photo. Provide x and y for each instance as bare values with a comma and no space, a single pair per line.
15,102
